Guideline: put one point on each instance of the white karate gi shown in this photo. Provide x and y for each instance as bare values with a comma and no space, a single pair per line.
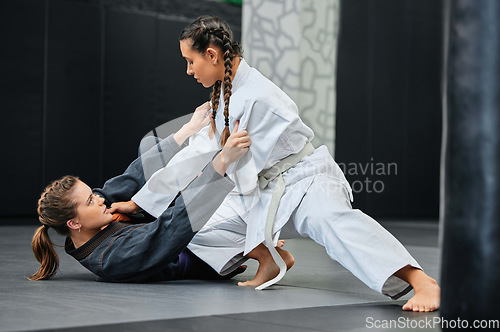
315,204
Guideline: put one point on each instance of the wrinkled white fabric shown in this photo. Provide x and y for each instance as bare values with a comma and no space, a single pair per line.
276,131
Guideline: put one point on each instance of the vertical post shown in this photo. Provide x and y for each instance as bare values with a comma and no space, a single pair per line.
470,269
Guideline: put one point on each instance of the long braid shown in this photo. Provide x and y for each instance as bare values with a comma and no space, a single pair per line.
212,30
215,96
228,85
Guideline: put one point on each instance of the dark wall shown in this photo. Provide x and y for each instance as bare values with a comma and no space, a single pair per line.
388,129
83,81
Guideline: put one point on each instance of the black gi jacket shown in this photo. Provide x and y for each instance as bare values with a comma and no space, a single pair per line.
149,252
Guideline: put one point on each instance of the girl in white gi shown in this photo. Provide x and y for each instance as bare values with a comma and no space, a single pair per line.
281,181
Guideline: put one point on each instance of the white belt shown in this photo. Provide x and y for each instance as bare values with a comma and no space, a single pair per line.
266,176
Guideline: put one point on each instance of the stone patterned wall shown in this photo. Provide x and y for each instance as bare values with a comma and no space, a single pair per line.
294,43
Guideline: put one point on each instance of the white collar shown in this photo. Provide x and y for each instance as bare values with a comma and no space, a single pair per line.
241,76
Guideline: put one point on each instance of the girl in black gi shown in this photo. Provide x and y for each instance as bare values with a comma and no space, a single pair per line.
121,252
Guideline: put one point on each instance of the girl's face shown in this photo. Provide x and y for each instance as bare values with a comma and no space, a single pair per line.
91,212
206,68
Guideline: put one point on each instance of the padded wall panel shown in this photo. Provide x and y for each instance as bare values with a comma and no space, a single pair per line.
424,108
389,105
21,90
389,86
82,81
73,135
353,93
129,92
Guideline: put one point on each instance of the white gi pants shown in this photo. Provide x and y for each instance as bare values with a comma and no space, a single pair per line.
325,215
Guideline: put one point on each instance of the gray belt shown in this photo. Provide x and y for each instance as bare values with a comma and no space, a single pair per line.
265,177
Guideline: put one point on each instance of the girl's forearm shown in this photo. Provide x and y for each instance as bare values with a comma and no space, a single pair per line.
220,164
182,135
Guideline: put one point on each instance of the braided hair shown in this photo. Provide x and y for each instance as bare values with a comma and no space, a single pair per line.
55,208
212,30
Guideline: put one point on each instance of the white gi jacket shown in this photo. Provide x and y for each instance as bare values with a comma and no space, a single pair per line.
276,131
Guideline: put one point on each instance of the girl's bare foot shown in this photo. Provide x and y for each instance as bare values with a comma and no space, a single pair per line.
427,297
267,267
427,292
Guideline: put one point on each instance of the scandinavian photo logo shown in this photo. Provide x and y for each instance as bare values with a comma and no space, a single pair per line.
372,175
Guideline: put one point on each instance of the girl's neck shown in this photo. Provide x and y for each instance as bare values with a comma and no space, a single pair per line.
236,63
234,68
82,237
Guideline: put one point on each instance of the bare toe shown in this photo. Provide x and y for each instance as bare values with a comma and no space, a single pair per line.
407,306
